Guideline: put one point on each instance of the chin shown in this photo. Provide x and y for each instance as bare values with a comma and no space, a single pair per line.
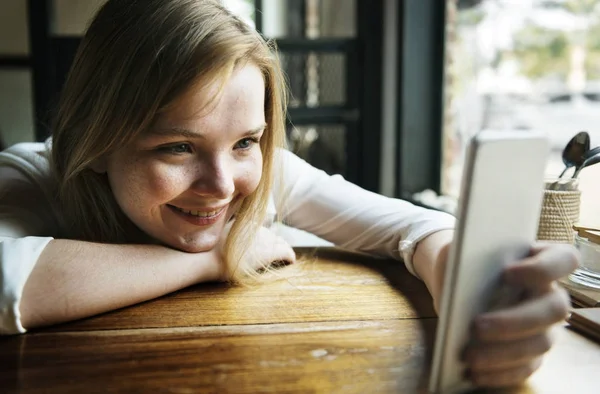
194,246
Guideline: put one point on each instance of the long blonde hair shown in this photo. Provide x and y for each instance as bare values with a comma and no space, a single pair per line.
135,60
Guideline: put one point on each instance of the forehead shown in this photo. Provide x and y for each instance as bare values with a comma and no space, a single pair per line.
240,97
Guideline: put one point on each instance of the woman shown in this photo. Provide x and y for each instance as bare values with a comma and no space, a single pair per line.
160,175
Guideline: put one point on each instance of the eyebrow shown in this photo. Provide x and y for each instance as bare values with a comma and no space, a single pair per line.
182,132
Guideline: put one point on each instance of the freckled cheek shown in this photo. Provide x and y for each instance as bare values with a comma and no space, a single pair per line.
163,186
249,177
150,185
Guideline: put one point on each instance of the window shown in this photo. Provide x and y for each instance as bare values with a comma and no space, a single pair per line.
527,64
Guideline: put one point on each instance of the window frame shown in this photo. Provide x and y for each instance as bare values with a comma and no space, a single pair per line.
420,101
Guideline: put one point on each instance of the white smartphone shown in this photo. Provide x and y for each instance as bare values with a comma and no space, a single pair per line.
499,208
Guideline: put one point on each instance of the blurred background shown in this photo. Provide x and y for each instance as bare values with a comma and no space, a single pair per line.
525,64
384,92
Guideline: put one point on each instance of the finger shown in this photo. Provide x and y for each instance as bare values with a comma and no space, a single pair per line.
529,318
547,264
285,251
504,377
290,254
482,357
281,254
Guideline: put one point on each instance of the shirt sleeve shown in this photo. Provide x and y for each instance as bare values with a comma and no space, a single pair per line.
349,216
18,257
24,213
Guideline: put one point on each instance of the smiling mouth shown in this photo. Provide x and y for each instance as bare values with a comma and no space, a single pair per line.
199,214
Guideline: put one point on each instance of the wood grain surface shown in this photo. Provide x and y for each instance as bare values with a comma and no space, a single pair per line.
357,357
346,324
330,286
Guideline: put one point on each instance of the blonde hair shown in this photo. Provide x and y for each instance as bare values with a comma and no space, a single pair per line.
135,61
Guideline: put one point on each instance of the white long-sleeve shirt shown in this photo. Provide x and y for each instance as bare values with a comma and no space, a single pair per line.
309,199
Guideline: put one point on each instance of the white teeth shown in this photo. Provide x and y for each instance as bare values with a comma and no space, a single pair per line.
198,213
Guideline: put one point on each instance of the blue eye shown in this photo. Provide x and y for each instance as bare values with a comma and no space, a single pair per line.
246,143
177,149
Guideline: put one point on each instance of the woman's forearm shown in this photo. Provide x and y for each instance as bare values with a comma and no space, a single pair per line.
429,261
75,279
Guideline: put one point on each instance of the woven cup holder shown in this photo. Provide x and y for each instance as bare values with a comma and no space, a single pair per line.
560,211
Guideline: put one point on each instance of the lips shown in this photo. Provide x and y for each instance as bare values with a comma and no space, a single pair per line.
199,217
199,213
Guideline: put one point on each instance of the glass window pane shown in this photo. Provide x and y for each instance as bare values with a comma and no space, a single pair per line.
528,65
309,18
71,17
315,79
16,107
14,35
323,146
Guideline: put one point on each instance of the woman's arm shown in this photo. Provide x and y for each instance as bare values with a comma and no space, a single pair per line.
429,261
75,279
349,216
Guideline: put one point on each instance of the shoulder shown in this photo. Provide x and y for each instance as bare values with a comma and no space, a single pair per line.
27,189
30,159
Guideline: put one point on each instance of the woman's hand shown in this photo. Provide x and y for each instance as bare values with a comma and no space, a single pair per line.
508,344
266,249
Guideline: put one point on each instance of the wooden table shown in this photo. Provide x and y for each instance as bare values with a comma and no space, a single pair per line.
344,324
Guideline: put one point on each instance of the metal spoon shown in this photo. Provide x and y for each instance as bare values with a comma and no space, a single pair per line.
573,154
591,152
590,161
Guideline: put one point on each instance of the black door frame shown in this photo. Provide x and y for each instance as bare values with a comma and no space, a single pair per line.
421,46
361,112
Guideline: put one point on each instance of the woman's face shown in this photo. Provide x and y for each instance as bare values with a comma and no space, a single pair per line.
183,180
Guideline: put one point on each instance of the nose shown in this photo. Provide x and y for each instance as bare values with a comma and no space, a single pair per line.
215,179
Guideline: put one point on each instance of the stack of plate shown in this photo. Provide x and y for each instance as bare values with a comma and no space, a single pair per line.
587,241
